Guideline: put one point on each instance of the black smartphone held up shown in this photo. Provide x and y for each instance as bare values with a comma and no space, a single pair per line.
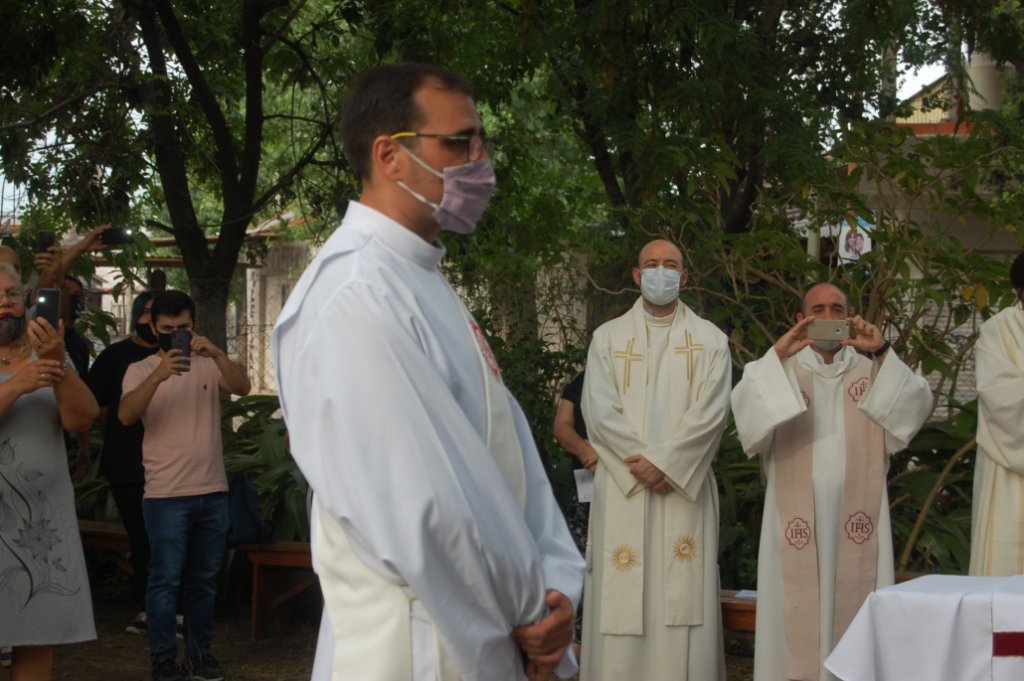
182,340
48,306
44,240
116,236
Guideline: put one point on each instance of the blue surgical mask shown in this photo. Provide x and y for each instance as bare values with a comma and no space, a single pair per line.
660,285
467,191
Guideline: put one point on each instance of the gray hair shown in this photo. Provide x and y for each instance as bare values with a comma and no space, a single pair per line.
9,269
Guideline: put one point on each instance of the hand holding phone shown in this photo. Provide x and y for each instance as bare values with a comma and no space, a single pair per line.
116,236
44,240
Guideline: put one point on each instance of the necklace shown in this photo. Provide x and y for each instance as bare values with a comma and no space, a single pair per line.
15,353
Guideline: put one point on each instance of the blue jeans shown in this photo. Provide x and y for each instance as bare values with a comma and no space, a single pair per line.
187,535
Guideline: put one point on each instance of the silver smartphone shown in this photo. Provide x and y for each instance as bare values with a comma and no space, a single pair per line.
829,329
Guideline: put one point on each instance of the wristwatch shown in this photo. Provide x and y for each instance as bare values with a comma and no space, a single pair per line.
880,351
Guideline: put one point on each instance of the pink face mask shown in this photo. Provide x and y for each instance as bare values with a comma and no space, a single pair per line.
467,190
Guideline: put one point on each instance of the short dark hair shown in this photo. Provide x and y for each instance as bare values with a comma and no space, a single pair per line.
171,304
1017,272
139,304
380,102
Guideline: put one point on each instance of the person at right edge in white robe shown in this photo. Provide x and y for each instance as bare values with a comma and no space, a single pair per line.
441,551
823,416
997,516
656,401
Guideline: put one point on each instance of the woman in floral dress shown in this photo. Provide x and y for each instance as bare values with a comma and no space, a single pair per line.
44,588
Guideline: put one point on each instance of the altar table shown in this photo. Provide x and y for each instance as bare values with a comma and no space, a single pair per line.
936,628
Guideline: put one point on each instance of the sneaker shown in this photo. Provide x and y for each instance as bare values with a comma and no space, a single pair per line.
138,625
179,627
166,669
204,668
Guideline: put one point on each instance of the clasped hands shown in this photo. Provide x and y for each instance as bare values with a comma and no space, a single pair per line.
545,642
648,474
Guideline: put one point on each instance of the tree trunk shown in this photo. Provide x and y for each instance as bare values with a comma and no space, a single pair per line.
211,298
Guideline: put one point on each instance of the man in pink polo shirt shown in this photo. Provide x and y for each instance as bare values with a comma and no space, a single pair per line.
185,502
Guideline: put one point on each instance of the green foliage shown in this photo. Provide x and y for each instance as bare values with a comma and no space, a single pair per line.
928,472
254,444
741,501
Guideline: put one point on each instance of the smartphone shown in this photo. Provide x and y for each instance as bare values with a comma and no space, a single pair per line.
116,236
182,340
44,240
48,306
829,329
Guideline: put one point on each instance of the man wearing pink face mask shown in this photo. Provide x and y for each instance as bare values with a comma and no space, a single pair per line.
440,549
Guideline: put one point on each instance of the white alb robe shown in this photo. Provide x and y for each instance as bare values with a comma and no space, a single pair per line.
997,517
767,397
657,387
427,556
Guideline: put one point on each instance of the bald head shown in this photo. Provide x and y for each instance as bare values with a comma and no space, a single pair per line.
9,256
826,300
660,252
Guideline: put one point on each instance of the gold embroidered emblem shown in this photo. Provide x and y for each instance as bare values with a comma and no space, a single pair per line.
623,557
628,358
684,549
690,350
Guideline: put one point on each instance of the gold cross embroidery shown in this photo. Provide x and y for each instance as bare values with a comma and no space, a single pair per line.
628,358
689,350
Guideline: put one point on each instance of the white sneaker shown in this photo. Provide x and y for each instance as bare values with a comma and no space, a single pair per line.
138,625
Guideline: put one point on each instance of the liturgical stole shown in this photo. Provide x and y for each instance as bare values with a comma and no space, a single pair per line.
682,554
857,559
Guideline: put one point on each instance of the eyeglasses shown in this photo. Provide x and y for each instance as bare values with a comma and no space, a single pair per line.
473,145
15,295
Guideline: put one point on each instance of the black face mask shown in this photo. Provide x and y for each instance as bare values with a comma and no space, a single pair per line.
164,339
77,307
11,329
145,332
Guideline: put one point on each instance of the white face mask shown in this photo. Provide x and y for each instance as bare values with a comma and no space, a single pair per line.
827,345
467,190
659,285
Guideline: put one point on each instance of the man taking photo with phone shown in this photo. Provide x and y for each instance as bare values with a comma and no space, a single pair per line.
824,414
185,505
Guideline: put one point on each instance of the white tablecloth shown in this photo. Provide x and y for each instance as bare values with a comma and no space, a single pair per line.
936,628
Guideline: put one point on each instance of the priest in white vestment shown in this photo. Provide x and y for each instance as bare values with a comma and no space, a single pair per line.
997,517
656,401
824,419
441,551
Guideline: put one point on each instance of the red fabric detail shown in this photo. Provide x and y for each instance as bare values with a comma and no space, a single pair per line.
1008,644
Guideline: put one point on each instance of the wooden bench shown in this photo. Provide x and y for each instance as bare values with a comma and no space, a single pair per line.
738,614
272,565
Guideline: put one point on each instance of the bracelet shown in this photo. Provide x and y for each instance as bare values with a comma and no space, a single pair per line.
880,351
